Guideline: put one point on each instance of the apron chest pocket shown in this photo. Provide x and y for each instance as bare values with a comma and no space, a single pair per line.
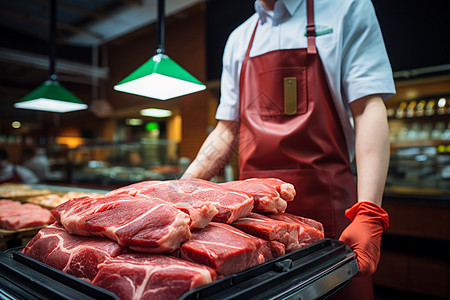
283,92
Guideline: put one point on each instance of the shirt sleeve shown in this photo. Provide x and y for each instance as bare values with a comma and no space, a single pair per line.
366,69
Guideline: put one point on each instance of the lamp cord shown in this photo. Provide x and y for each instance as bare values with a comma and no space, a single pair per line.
52,75
160,27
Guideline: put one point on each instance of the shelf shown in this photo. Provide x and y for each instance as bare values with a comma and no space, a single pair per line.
419,144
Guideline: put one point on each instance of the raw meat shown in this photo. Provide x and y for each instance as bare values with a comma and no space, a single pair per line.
200,212
141,223
287,217
266,197
286,190
151,276
310,231
202,200
227,249
14,215
271,230
75,255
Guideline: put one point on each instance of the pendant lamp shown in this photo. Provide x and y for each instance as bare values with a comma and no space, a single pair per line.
51,95
160,77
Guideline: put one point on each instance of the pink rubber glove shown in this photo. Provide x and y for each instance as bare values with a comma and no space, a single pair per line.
363,234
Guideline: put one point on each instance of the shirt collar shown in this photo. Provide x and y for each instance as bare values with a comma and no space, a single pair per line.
282,9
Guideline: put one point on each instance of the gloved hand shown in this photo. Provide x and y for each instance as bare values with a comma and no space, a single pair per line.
363,234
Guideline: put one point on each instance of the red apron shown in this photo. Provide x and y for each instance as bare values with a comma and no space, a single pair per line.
290,129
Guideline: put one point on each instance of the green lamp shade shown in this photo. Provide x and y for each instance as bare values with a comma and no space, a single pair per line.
51,96
161,78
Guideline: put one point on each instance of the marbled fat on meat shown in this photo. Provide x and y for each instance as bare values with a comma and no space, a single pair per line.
141,223
310,231
203,200
270,194
227,249
75,255
151,276
286,190
271,230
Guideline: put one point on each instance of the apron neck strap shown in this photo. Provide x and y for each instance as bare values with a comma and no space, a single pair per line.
247,54
310,27
310,30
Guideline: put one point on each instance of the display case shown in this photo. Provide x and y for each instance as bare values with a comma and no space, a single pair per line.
122,163
420,145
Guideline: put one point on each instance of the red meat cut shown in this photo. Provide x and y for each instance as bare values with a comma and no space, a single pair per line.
287,217
75,255
201,199
151,276
270,230
310,231
15,215
286,190
227,249
293,234
270,194
141,223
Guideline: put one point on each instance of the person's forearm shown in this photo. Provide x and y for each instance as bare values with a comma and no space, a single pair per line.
371,147
215,151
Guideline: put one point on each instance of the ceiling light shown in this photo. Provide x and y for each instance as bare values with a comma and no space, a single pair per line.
156,112
134,122
160,77
51,95
16,124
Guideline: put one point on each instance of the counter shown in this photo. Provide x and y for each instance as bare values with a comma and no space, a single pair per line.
415,249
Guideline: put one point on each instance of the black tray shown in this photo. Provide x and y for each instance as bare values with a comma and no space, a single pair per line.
312,272
22,277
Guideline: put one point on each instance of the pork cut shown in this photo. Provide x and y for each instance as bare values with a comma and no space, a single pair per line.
141,223
270,229
288,217
285,228
151,276
200,212
227,249
75,255
15,215
201,199
286,190
270,194
310,231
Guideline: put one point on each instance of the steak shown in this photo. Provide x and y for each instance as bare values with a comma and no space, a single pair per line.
75,255
151,276
202,200
270,194
15,215
310,231
227,249
271,230
141,223
287,217
286,190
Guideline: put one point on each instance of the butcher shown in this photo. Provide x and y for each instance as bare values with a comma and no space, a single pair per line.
302,95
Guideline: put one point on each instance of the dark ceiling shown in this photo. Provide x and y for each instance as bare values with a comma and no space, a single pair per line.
416,37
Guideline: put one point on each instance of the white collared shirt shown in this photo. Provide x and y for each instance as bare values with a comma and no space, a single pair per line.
349,43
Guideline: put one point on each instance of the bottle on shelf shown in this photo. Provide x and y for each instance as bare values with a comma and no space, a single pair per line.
410,109
430,107
438,131
442,106
420,108
401,110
